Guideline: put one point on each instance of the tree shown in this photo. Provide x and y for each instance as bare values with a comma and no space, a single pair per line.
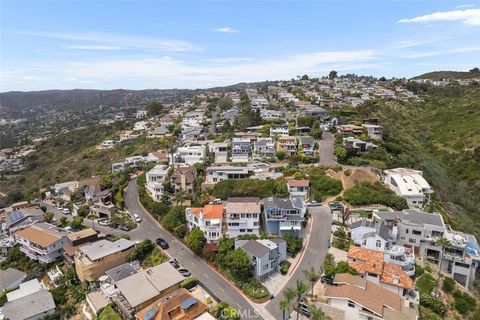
317,133
284,306
345,215
312,277
48,216
77,223
332,75
196,241
239,264
475,70
280,155
300,289
289,295
154,108
317,313
341,153
383,79
304,77
225,103
83,211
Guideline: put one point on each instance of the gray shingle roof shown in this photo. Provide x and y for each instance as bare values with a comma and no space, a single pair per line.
104,248
419,217
9,277
255,248
283,203
29,306
121,272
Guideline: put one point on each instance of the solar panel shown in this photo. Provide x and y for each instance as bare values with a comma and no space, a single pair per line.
15,217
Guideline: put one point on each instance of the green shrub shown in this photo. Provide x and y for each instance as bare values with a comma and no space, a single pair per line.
108,313
425,283
366,193
463,302
433,304
284,266
418,271
189,283
294,245
448,285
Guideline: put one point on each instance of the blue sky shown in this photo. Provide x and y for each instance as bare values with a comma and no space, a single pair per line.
200,44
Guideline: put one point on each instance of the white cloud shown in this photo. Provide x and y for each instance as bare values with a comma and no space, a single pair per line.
123,40
469,17
226,30
92,47
168,72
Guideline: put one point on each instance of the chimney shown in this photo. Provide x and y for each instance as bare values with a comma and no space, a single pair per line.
396,279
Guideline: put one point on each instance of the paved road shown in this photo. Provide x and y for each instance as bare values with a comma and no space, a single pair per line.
149,228
315,252
326,149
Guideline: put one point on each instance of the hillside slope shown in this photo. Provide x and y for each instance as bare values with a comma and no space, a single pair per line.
438,75
440,136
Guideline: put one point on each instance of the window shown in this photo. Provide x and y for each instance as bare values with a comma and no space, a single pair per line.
406,230
242,230
416,232
351,304
412,240
378,244
265,267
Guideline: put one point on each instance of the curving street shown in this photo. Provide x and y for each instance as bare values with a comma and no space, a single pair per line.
149,228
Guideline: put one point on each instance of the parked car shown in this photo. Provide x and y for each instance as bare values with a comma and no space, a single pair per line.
174,263
162,243
304,309
66,211
327,280
114,225
137,217
216,201
124,228
184,272
103,222
313,203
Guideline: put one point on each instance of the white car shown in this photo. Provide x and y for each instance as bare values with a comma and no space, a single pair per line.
66,211
313,203
103,222
137,217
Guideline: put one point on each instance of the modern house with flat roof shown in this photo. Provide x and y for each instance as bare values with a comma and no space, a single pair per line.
91,261
410,185
243,216
217,174
155,178
11,279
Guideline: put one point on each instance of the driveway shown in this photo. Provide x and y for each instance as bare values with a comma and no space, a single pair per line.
326,149
315,252
149,228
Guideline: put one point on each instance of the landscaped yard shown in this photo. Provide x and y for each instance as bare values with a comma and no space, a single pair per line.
154,259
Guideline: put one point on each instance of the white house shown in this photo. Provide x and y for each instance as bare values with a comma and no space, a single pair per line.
155,178
220,173
208,219
140,126
191,154
410,185
240,149
220,150
374,131
298,189
42,241
279,130
243,216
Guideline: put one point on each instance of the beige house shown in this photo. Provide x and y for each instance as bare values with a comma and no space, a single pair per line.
91,261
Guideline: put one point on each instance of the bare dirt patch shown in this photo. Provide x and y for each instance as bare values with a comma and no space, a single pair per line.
352,176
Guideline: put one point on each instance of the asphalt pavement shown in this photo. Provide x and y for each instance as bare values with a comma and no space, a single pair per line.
326,149
149,228
315,252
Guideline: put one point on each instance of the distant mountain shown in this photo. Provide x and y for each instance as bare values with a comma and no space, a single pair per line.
439,75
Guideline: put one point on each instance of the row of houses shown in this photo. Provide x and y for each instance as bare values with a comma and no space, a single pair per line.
135,292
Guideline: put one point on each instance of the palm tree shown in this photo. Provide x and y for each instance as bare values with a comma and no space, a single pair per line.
289,295
317,313
284,305
300,291
312,277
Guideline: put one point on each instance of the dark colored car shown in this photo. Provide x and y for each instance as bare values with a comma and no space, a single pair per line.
174,263
124,228
327,280
184,272
304,309
162,243
114,225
